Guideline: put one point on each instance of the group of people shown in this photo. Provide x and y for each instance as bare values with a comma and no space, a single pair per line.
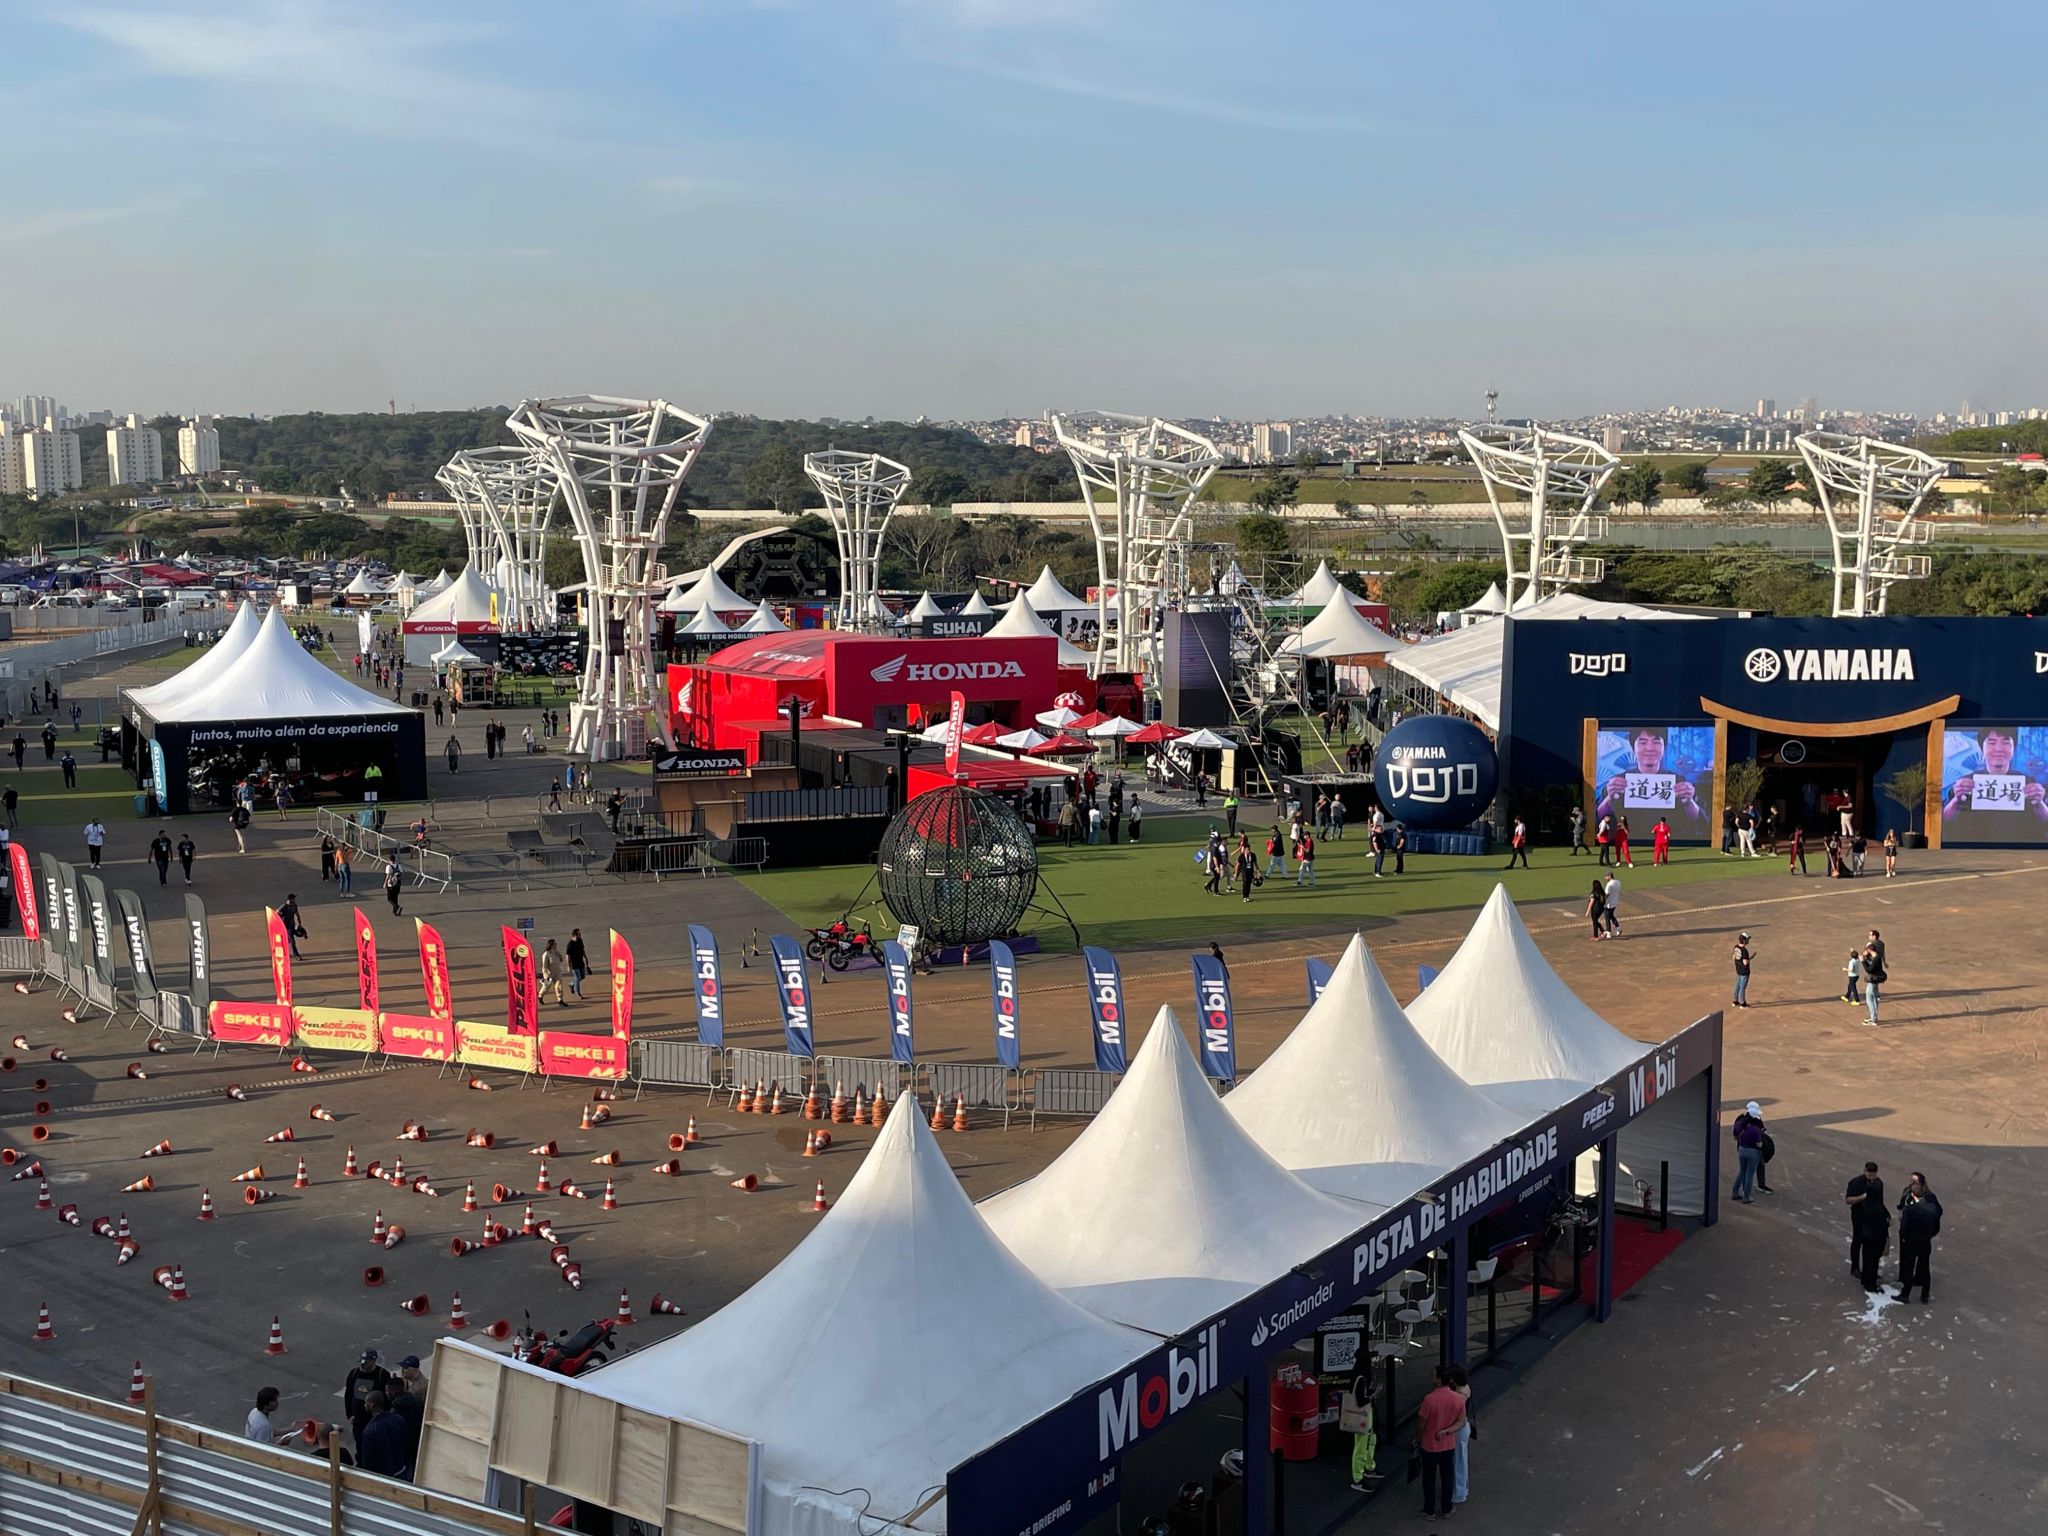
386,1410
1092,810
1865,969
570,964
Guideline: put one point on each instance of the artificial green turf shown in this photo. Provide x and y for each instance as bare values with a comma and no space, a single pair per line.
1152,893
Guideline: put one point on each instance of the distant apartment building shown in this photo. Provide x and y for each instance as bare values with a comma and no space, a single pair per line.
1612,438
1766,408
199,447
135,453
11,481
1021,438
1272,441
50,463
37,409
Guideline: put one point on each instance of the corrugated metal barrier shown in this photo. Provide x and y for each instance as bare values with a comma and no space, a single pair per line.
749,1067
682,1063
876,1074
1071,1091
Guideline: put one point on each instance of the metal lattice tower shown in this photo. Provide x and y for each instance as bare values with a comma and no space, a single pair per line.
620,465
1870,492
506,495
1139,476
1557,477
861,491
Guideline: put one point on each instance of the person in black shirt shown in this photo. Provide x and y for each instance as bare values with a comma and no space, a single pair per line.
1869,1224
367,1377
1742,963
579,961
160,855
1919,1225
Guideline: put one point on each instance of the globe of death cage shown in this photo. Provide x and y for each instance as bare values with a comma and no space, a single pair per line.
1436,772
959,864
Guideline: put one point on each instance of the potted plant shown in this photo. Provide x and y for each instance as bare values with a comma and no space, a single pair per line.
1741,782
1907,789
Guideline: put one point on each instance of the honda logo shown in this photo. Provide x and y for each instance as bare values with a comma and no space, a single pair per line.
944,671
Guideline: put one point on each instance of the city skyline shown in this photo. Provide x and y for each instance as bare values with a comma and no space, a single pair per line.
975,209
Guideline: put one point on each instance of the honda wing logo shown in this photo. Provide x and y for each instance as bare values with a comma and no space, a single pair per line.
886,672
944,671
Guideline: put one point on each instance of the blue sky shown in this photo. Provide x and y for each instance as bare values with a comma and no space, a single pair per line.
983,207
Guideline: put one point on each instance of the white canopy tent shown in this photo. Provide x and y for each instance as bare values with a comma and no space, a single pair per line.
1114,727
1057,718
441,582
1339,632
1492,600
1020,619
708,591
1203,740
927,607
1163,1211
1317,591
1022,741
467,600
1047,595
208,665
1234,581
274,678
456,654
706,621
1356,1102
976,607
362,585
763,622
992,1347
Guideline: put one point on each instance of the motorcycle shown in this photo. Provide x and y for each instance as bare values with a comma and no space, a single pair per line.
566,1354
840,944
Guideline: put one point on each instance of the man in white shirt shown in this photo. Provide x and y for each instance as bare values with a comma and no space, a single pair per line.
95,840
259,1426
1613,889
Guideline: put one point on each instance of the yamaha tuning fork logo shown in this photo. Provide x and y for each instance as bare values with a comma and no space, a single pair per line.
1830,664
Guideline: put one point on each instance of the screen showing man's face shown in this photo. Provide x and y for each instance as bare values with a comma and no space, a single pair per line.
1998,750
1649,753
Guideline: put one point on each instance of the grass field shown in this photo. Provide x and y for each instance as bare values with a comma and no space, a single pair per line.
1152,893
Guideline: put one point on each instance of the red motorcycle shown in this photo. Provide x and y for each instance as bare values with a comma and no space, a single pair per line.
566,1354
840,943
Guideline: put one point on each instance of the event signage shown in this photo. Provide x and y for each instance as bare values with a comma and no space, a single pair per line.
896,970
101,921
250,1023
1213,1016
1002,996
793,992
434,972
336,1029
690,763
135,928
563,1054
1318,978
280,943
417,1037
956,626
53,901
956,724
74,920
1435,771
622,988
1106,1006
710,990
159,777
1077,1444
493,1045
366,963
25,892
198,953
522,984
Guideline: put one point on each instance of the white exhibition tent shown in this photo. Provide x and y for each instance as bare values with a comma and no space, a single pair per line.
1234,581
441,582
1048,596
975,607
1317,590
274,678
927,608
708,591
1492,600
989,1348
1021,741
705,621
763,622
1163,1212
456,654
362,586
1020,620
468,599
1204,740
209,664
1340,631
1356,1102
402,582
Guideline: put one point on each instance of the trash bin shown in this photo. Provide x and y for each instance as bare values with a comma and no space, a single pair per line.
143,803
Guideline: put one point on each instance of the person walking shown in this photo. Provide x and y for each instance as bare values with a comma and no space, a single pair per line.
19,747
1579,832
579,962
1305,860
1069,819
454,752
1436,1436
1660,843
1869,1224
1355,1417
1795,860
1749,1151
344,870
294,930
1891,867
160,855
1596,908
1247,864
95,841
551,969
10,802
187,851
1337,814
70,766
1214,861
1875,973
326,858
1621,853
1919,1225
1376,840
394,886
1612,891
1518,844
1137,818
1603,836
1276,851
49,741
1094,823
1744,957
283,798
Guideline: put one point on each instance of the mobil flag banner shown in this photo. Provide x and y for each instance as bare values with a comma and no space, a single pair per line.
896,970
1002,997
25,892
366,964
1219,1028
710,988
1318,978
1106,1006
793,992
522,983
280,957
622,989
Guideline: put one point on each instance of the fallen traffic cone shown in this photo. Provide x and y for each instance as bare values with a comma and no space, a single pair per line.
299,1179
255,1196
20,1042
101,1227
276,1344
393,1235
458,1246
603,1095
234,1091
425,1186
468,1198
413,1131
43,1197
135,1071
810,1143
838,1103
457,1318
611,1201
748,1182
625,1314
959,1111
673,1167
664,1307
7,1063
545,1231
608,1160
39,1133
495,1233
178,1291
161,1275
541,1183
745,1104
317,1113
42,1107
206,1205
127,1250
27,1171
44,1332
249,1176
824,1140
374,1275
573,1190
478,1085
300,1064
138,1389
503,1195
527,1226
677,1141
416,1305
818,1200
348,1166
283,1135
155,1047
68,1214
477,1138
501,1329
141,1186
814,1102
938,1120
60,1055
9,1157
545,1149
377,1229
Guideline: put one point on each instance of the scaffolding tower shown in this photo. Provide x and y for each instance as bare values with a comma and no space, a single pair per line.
1870,492
861,491
504,497
1139,476
620,465
1557,477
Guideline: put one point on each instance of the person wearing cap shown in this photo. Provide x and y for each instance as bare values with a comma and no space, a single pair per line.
409,1402
1749,1153
1754,1111
367,1377
1743,956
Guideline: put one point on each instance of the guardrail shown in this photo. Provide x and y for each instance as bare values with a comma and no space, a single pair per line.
427,865
24,667
977,1085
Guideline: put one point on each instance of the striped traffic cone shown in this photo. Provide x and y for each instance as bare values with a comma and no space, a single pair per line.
477,1138
673,1168
573,1190
541,1184
234,1091
300,1064
43,1202
860,1105
838,1103
663,1306
393,1235
457,1318
818,1200
161,1149
138,1389
254,1195
348,1166
878,1109
141,1186
814,1102
775,1098
959,1111
745,1105
178,1291
468,1198
938,1120
625,1309
317,1113
276,1344
690,1134
299,1179
206,1205
608,1160
249,1176
545,1149
810,1143
283,1135
44,1332
135,1071
377,1229
527,1226
458,1246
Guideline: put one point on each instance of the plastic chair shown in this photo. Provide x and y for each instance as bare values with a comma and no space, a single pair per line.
1483,1272
1423,1310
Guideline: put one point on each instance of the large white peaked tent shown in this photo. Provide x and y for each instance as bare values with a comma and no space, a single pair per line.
465,602
1021,620
927,608
441,582
1356,1102
1164,1211
1047,595
709,591
975,607
211,663
1338,632
1507,1023
274,679
763,622
1317,590
362,586
901,1284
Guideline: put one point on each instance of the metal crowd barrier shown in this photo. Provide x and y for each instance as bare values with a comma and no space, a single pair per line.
876,1074
983,1086
19,956
428,865
750,1067
1070,1091
683,1063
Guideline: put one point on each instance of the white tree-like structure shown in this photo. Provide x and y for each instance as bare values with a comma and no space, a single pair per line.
861,491
1871,493
1552,480
504,497
620,465
1139,476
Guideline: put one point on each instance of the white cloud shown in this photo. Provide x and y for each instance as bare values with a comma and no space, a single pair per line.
59,221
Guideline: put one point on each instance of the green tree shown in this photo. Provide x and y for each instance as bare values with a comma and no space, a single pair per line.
1770,481
1344,507
1638,484
1261,535
1907,789
1689,478
776,479
1449,588
1276,491
1306,460
1742,781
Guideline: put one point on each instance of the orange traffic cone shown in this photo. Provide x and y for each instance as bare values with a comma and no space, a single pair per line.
206,1205
299,1179
541,1184
608,1160
503,1194
138,1389
300,1064
234,1091
42,1107
413,1131
141,1186
818,1200
625,1309
878,1109
161,1149
121,1227
20,1042
810,1143
397,1173
348,1167
611,1201
478,1085
663,1306
127,1250
425,1186
457,1318
824,1140
458,1246
495,1232
249,1176
838,1103
959,1111
28,1171
276,1344
501,1329
690,1133
573,1190
317,1113
545,1149
749,1182
156,1047
44,1332
545,1231
468,1197
745,1105
938,1120
283,1135
255,1196
377,1230
374,1275
527,1227
860,1105
135,1071
393,1235
814,1102
416,1305
101,1227
673,1167
60,1055
178,1291
43,1197
775,1098
477,1138
68,1214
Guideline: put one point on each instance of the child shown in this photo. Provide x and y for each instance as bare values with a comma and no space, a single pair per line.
1852,971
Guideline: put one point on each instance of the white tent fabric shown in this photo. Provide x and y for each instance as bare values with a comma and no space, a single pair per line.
1355,1101
465,600
763,622
1114,726
362,586
1465,666
1057,718
995,1348
1340,630
274,679
1203,740
1163,1211
402,582
927,608
1020,619
1317,591
1046,594
207,666
1022,741
441,582
936,732
1234,581
976,607
709,591
707,622
1507,1023
456,654
1493,600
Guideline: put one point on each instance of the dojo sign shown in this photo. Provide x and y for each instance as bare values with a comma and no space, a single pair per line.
1436,771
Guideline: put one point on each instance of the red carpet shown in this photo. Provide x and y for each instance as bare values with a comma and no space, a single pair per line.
1638,1249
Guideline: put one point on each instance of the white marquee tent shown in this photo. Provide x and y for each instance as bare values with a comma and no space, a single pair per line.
274,678
975,607
1163,1211
1021,620
1046,594
706,621
1356,1102
466,602
1317,591
441,582
708,591
208,665
362,585
927,608
1339,632
763,622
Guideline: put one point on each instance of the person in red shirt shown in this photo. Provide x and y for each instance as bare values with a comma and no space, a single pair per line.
1436,1435
1660,842
1621,853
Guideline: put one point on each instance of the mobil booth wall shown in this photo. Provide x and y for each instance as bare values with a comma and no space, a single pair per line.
1648,713
1068,1468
